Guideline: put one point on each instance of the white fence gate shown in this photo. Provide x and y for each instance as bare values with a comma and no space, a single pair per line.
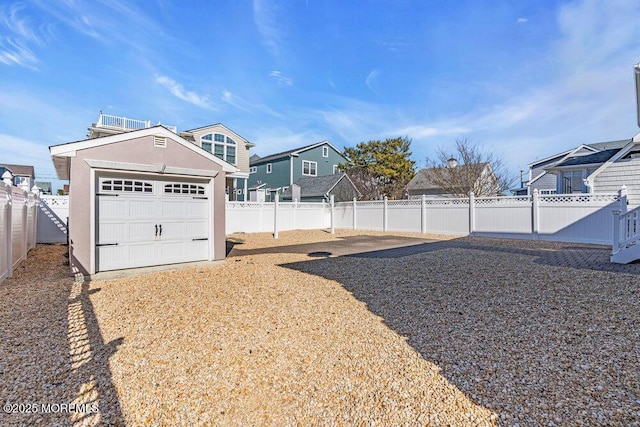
18,224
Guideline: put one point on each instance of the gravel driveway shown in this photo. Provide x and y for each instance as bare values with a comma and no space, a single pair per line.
441,332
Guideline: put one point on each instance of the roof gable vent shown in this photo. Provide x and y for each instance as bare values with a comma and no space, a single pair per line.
159,142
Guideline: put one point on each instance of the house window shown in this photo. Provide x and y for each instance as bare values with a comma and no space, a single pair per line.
335,169
253,169
309,168
220,146
268,167
325,151
18,180
572,182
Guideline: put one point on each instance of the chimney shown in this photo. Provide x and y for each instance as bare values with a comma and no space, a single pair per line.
452,162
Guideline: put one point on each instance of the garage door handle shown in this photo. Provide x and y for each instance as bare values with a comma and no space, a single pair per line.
156,229
203,238
161,229
107,244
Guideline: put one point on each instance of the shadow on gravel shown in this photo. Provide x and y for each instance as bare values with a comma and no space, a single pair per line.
529,330
345,245
52,353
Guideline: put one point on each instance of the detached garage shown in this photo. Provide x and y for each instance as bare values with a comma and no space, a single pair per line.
140,199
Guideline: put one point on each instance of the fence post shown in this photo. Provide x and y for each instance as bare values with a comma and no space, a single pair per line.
275,215
616,231
535,214
623,198
384,214
423,214
354,212
472,213
9,224
36,204
333,213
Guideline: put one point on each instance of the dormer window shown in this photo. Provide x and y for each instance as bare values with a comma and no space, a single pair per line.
220,146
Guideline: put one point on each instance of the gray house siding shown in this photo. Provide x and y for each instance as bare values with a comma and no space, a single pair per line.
622,172
547,182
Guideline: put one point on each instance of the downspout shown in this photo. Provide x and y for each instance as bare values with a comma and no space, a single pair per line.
290,169
636,69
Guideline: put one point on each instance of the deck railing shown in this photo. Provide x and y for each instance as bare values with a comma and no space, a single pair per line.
127,124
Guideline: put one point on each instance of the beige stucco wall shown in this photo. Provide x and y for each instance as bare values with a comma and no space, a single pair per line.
138,150
242,151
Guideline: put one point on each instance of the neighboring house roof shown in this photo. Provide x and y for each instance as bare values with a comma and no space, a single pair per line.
589,159
318,186
61,153
610,144
257,186
423,179
22,170
288,153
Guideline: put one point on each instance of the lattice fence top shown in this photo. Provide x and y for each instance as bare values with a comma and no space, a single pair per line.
61,201
405,202
579,198
455,202
503,200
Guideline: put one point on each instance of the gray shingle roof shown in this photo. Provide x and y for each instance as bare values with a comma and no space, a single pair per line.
315,186
282,154
423,179
595,158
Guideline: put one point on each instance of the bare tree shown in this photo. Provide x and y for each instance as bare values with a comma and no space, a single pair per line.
468,170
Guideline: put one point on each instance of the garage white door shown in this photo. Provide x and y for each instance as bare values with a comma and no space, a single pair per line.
144,222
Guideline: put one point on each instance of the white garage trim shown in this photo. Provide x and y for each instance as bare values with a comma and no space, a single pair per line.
143,167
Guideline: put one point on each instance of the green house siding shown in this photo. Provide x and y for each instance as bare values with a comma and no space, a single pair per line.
280,175
324,164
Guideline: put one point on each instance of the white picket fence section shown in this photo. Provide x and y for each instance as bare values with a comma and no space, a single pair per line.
18,225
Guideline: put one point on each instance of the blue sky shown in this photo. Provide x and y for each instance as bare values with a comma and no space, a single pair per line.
524,79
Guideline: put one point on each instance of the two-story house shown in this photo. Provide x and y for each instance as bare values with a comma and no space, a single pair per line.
543,174
217,139
227,145
277,172
22,174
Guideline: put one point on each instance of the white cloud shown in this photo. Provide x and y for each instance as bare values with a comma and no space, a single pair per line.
265,16
372,77
281,79
244,105
18,34
522,20
178,91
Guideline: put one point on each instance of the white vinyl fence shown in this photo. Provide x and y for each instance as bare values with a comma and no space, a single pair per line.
18,224
53,215
257,217
584,218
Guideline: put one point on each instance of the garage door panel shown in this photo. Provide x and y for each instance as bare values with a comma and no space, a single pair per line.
129,219
113,232
196,229
113,207
142,208
197,208
173,209
141,231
